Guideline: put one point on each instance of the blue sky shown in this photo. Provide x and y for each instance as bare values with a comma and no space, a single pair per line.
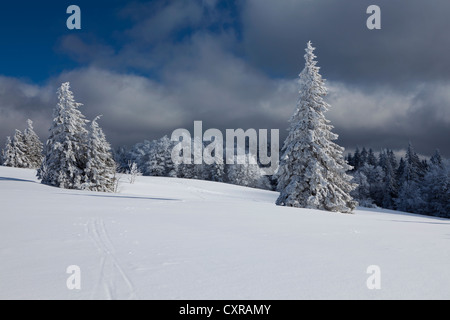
151,67
31,32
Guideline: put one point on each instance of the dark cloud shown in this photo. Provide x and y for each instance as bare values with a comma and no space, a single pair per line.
20,101
385,118
412,44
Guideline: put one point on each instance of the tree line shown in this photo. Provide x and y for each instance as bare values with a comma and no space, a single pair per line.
410,184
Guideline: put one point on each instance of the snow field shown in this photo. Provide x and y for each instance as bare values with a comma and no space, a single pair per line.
166,238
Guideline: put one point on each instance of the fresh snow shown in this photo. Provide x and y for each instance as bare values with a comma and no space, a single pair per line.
167,238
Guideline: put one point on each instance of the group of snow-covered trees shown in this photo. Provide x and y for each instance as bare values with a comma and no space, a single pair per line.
76,156
410,184
154,158
313,172
24,150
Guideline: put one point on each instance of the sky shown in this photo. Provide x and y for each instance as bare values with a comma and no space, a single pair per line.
150,67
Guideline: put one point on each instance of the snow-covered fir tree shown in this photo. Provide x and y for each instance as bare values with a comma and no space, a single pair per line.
364,156
247,174
100,167
198,171
400,169
159,161
121,159
24,150
436,187
33,147
409,196
66,147
15,151
8,154
140,154
375,176
362,191
371,158
215,171
357,163
312,172
389,190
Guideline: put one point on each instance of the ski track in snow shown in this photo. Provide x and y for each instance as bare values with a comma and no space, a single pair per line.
110,271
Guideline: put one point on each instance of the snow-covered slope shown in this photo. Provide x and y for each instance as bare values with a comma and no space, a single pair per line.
164,238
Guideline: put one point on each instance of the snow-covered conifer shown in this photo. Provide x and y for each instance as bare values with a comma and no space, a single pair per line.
364,156
33,147
199,171
362,191
400,169
121,158
100,166
371,159
312,172
215,171
410,197
140,154
436,187
8,154
389,189
357,163
160,162
247,174
15,151
66,147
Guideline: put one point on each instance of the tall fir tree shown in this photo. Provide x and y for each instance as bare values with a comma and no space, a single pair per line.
357,163
400,169
392,159
364,156
389,190
436,187
371,159
34,147
66,147
409,197
100,166
362,191
312,172
8,154
16,152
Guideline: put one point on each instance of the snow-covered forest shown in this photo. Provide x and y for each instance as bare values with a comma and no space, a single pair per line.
313,172
410,184
386,179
